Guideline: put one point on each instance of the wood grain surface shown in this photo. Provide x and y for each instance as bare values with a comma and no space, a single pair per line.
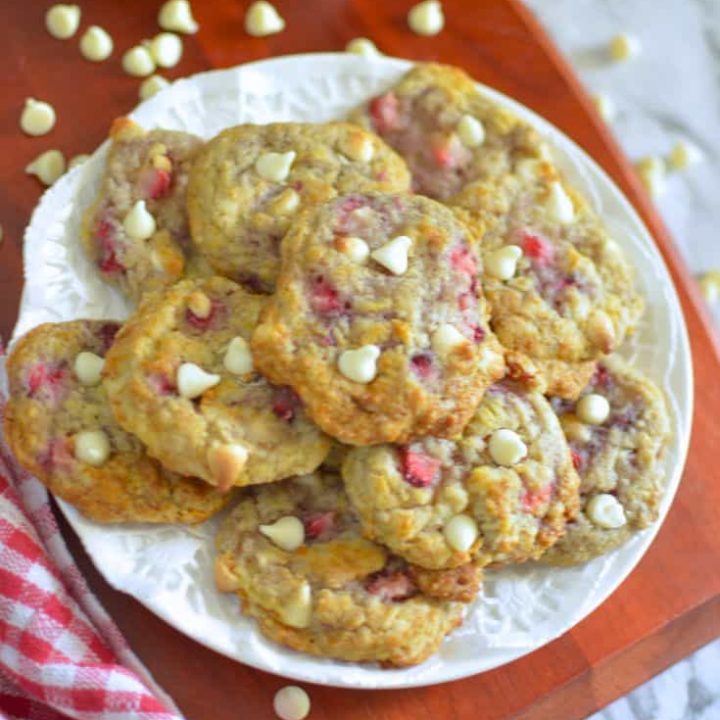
671,603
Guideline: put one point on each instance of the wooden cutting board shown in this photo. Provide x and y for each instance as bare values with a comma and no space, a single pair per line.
671,603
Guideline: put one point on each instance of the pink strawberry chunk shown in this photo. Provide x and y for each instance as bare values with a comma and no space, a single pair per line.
318,525
418,469
450,153
45,378
384,112
577,459
422,364
464,261
108,262
534,500
57,457
391,586
324,298
199,323
154,183
537,248
107,334
161,383
285,403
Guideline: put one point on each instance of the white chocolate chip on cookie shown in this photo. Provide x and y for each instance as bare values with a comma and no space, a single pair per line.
238,358
360,365
288,533
193,381
393,255
605,511
461,531
226,462
297,610
92,447
502,263
593,409
446,338
470,131
139,223
354,248
88,368
560,205
274,167
506,447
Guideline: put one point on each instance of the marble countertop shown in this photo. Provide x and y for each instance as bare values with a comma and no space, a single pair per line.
670,91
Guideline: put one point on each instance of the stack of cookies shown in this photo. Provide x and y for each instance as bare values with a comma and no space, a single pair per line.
387,344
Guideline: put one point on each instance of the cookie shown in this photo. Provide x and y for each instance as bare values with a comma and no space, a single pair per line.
59,425
617,431
250,181
378,321
500,493
446,131
293,553
141,247
181,377
560,290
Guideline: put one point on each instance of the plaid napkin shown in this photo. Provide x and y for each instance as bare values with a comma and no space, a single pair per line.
61,656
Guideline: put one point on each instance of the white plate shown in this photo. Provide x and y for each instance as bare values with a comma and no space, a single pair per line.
168,569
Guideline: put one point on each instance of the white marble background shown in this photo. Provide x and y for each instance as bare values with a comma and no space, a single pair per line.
670,91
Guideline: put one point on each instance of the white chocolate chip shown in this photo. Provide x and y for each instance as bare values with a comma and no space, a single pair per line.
354,248
199,305
362,46
226,462
605,106
78,160
559,204
528,169
176,15
297,611
461,531
92,447
263,19
470,131
446,338
502,263
274,167
360,365
362,151
88,368
683,155
138,61
506,447
652,172
166,49
606,512
393,255
288,533
193,381
152,85
238,358
710,286
139,223
95,44
287,202
62,21
426,18
291,703
48,166
624,47
38,117
593,409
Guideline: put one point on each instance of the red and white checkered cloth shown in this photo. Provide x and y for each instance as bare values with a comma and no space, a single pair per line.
61,656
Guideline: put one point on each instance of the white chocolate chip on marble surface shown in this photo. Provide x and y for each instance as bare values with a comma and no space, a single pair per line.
393,255
291,703
48,167
288,533
506,447
37,118
263,19
77,160
88,368
166,49
683,155
238,359
446,338
152,85
426,18
471,131
138,61
653,172
360,365
193,381
176,15
139,223
226,462
605,106
274,167
355,248
92,447
62,21
501,264
460,532
593,409
559,204
605,511
624,47
96,44
362,46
